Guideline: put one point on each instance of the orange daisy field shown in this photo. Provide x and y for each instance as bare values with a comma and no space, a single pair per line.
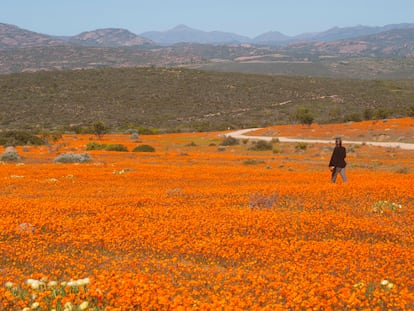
193,226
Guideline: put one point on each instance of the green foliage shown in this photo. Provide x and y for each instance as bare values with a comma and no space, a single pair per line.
147,130
354,117
155,100
304,116
19,138
261,145
368,114
229,141
301,146
144,148
50,136
95,146
116,147
99,129
410,110
73,158
381,113
107,147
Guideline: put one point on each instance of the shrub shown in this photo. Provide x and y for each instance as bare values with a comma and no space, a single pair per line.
19,138
410,110
95,146
144,148
304,116
99,129
73,158
381,113
107,147
10,155
229,141
262,145
116,147
147,131
301,146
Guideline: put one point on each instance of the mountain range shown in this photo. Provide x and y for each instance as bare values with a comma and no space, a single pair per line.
14,37
357,52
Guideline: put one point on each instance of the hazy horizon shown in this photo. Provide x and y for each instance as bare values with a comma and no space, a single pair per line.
241,17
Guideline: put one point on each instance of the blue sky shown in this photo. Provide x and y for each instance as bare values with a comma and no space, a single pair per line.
249,18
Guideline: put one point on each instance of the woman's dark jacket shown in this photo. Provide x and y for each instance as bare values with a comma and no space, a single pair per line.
338,157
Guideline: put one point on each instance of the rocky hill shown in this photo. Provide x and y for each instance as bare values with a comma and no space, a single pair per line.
12,37
379,55
392,43
110,37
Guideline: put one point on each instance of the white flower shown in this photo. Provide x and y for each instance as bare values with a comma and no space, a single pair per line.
72,283
35,305
26,309
68,306
390,285
384,282
35,284
52,284
84,305
9,284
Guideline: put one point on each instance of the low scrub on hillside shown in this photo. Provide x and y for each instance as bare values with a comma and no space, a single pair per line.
154,100
19,138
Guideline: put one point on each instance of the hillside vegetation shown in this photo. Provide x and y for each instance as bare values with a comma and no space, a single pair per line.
184,99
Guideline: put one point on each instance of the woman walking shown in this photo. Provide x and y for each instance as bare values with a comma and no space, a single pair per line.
337,163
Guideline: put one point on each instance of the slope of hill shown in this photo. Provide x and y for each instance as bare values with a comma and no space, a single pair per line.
392,43
12,37
182,33
181,99
384,55
111,37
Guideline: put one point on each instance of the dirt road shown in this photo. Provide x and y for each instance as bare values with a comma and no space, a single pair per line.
241,134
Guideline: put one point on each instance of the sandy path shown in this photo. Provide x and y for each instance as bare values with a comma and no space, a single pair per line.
240,134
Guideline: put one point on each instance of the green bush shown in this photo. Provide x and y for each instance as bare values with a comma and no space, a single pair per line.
72,158
144,148
19,138
95,146
262,145
229,141
116,147
147,131
107,147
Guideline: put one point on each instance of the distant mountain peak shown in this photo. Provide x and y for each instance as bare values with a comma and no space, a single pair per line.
181,27
109,37
182,33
